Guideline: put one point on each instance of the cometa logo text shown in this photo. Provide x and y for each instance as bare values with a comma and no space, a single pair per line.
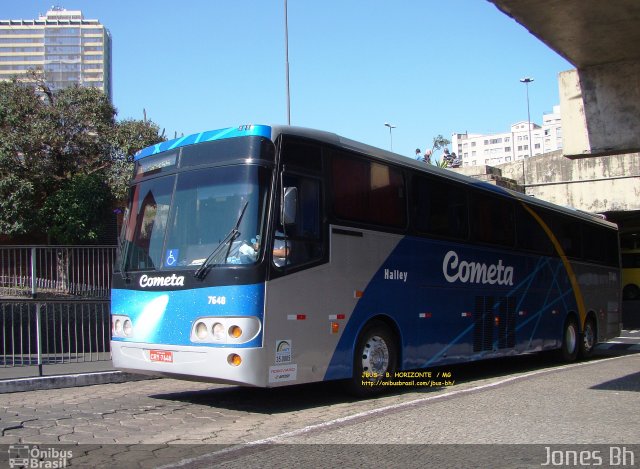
475,272
168,281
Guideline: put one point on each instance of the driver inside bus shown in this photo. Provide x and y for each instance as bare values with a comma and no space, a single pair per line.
280,250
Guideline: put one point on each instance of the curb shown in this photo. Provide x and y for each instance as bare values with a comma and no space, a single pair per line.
67,381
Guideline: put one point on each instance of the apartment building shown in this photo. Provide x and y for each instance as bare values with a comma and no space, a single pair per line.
513,145
67,47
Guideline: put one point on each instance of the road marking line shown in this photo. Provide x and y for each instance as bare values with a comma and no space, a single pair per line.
421,400
367,413
619,346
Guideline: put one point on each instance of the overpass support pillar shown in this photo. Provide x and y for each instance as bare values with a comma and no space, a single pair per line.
600,108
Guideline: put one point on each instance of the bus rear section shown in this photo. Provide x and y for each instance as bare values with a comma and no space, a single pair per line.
386,302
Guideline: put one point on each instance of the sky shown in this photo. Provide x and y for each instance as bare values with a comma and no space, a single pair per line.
428,67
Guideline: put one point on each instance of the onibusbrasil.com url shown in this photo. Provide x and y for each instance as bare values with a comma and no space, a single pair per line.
387,382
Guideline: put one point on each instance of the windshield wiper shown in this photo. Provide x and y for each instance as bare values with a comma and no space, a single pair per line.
202,271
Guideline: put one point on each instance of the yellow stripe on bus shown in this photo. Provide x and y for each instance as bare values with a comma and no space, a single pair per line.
565,261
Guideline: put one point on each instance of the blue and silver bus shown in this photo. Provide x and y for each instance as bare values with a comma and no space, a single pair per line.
275,255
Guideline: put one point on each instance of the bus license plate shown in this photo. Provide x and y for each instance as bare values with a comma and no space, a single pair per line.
161,356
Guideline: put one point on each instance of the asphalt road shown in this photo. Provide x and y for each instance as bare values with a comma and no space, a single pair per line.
515,412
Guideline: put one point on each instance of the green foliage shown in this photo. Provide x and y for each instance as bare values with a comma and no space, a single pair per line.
133,135
130,137
442,163
52,141
16,201
78,210
439,143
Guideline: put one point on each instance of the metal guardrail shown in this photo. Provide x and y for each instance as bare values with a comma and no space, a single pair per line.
54,305
56,271
55,332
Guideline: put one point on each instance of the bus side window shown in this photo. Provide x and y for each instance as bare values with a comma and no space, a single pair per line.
530,234
439,208
367,192
300,241
492,220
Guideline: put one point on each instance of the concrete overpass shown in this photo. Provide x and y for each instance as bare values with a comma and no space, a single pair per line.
600,99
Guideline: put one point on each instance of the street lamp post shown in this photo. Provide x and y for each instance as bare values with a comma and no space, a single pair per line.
391,126
286,52
526,81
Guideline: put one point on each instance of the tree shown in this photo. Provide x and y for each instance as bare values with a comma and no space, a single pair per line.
439,143
130,137
76,212
61,159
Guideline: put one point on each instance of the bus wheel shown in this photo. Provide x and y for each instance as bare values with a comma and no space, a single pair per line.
375,360
630,292
569,350
589,339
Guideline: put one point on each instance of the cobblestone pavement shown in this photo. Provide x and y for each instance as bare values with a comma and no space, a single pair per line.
156,422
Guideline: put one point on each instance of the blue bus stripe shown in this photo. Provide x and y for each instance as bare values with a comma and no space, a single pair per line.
207,136
546,303
437,356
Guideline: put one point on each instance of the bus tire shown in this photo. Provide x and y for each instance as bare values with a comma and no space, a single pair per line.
589,339
375,360
630,292
570,335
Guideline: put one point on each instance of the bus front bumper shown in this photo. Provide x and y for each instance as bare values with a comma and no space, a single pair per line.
209,364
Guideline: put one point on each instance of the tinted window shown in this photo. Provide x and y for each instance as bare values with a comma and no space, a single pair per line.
227,149
299,154
600,244
439,207
299,240
568,233
146,228
492,219
368,192
530,234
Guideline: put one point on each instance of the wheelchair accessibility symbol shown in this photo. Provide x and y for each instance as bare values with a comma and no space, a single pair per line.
171,258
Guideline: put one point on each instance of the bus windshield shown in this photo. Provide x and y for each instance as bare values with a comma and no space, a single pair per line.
177,221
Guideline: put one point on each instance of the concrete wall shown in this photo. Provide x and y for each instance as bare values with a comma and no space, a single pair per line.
598,184
600,108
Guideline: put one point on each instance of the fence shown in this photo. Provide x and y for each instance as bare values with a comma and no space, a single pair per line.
54,304
36,333
56,271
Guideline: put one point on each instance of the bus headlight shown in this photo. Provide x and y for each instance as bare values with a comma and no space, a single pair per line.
218,331
121,326
127,328
201,330
225,330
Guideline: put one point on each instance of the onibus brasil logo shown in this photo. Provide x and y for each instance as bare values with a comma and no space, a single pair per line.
41,458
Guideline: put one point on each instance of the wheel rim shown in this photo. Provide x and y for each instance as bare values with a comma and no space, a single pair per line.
375,356
570,338
589,337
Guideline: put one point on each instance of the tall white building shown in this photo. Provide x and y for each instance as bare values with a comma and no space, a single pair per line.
492,149
67,47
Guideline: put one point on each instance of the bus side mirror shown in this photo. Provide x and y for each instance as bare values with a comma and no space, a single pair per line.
289,205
